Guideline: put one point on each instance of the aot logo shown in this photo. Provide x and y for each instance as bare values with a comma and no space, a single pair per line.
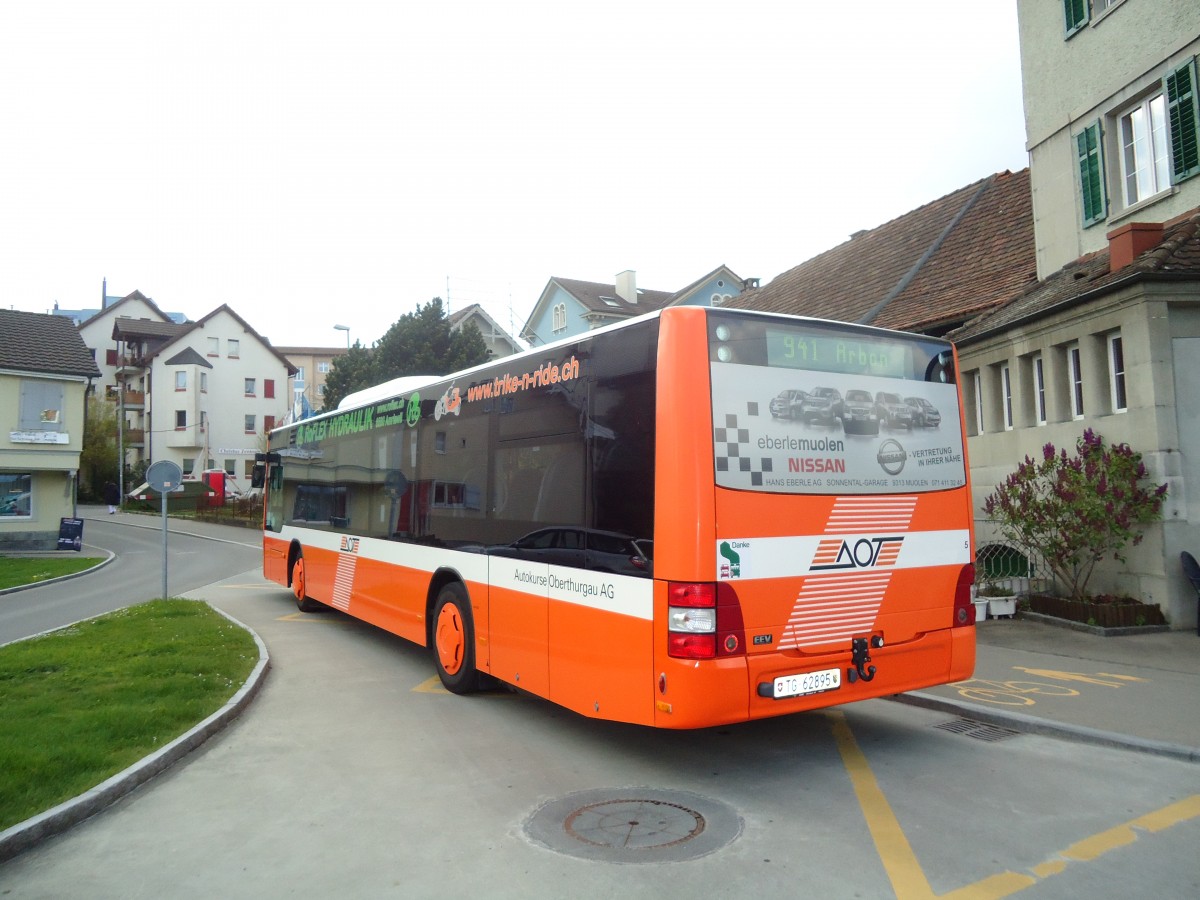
349,544
864,553
731,565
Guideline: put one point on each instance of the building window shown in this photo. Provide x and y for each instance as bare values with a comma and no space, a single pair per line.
214,346
249,429
1075,15
204,382
560,317
1006,393
977,385
16,494
204,425
320,390
189,465
180,419
1091,175
1039,390
1145,156
234,349
41,405
1116,372
323,368
1075,373
249,387
268,423
181,381
300,374
269,388
231,468
110,357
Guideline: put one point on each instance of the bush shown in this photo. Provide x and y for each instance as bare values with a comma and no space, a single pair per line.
1077,510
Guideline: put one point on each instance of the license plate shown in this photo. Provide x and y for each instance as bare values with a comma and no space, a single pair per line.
808,683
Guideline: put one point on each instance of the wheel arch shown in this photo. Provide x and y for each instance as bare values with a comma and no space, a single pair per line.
294,551
440,579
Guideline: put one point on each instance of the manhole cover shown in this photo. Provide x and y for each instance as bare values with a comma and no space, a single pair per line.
634,825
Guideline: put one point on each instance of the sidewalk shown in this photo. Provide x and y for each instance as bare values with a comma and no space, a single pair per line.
1141,692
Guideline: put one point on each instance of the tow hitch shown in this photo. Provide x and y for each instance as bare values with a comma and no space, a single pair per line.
860,656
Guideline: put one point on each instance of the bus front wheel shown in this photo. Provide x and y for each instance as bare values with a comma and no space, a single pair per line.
304,602
454,640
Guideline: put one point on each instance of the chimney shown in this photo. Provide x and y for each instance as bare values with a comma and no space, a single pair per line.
1130,241
627,286
104,293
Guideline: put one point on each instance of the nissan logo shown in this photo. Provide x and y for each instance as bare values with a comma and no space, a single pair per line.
891,456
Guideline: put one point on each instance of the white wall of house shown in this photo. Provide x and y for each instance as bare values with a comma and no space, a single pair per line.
207,419
1152,321
97,335
1097,73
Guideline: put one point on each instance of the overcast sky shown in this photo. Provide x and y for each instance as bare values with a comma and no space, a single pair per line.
313,164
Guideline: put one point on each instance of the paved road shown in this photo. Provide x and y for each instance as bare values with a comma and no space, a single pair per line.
353,774
135,573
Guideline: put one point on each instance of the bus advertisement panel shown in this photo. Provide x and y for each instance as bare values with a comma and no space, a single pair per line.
691,518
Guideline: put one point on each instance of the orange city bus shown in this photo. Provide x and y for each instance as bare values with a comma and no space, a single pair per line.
695,517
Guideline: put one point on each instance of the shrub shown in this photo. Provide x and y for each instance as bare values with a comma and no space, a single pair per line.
1077,510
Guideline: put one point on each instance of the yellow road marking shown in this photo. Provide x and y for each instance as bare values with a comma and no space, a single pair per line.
896,854
430,686
309,617
904,869
1099,678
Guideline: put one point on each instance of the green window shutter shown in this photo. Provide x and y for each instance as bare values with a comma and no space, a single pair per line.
1091,174
1184,117
1075,14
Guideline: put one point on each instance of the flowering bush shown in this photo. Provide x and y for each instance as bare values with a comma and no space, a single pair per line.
1077,510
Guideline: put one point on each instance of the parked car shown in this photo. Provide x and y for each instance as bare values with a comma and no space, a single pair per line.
823,405
787,404
893,411
858,413
583,548
925,414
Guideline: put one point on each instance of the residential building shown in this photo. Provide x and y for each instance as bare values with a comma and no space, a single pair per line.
568,307
312,365
1109,88
79,316
211,390
499,342
220,385
46,372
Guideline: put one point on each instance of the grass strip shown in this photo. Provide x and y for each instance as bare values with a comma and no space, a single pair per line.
15,571
82,703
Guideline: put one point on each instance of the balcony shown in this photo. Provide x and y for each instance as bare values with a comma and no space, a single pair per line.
182,438
135,437
133,399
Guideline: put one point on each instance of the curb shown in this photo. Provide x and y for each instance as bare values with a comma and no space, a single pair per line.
79,574
1097,630
24,835
1048,728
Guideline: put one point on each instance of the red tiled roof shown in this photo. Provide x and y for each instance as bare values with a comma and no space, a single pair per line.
1175,257
927,270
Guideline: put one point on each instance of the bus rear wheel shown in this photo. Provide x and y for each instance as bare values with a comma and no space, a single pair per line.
304,602
453,641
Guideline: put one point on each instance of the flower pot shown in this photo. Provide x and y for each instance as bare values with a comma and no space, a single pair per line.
981,606
1002,606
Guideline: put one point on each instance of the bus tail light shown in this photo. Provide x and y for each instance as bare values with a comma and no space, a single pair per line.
704,621
964,609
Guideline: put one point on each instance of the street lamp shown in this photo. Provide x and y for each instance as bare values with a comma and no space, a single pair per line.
345,328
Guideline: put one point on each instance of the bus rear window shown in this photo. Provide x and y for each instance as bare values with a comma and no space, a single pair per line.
818,407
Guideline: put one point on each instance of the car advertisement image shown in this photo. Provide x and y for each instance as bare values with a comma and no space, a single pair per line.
837,433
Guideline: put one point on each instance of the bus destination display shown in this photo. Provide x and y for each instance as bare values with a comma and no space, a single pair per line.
794,349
